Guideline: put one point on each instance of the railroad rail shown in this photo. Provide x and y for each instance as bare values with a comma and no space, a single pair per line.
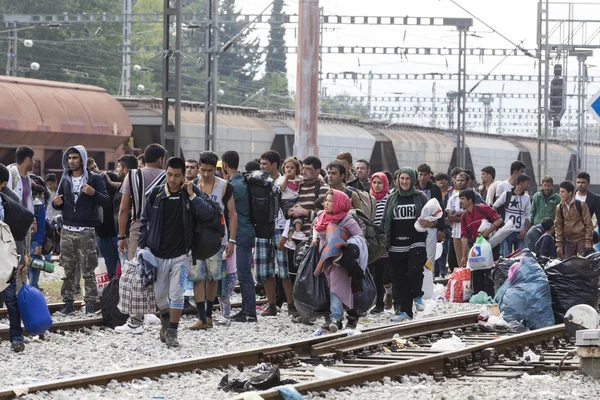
79,324
283,354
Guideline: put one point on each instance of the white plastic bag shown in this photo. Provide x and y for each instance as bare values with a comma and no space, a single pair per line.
432,211
454,343
480,255
322,372
427,286
101,276
498,237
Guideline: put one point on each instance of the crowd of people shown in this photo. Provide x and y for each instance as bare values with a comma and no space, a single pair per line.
151,206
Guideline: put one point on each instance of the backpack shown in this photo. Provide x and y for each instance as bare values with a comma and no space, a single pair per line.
17,217
374,235
208,236
109,301
264,205
368,203
8,255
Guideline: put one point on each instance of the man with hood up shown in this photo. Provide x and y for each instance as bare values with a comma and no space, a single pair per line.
81,196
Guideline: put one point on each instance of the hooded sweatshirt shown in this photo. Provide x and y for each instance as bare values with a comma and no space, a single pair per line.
543,206
79,209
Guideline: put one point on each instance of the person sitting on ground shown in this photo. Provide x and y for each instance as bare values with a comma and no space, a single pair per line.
546,246
335,220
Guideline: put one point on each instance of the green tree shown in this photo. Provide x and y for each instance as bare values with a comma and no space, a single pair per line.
344,105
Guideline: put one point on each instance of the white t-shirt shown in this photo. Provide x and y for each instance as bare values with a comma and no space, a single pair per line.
77,185
454,205
291,192
518,209
504,186
580,198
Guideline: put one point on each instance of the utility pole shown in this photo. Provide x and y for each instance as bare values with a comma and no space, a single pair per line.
171,90
500,111
369,91
581,55
11,62
451,98
433,104
212,58
462,91
487,120
307,87
125,89
321,30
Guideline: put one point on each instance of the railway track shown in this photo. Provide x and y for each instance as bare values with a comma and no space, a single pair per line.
378,352
80,324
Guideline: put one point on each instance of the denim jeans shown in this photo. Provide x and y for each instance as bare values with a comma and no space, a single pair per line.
511,243
336,307
109,250
14,316
33,274
440,263
244,273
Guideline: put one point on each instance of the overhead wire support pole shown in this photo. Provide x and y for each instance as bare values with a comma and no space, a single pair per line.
11,61
462,95
125,89
543,53
171,139
212,54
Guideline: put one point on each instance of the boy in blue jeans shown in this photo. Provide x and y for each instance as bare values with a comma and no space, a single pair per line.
37,239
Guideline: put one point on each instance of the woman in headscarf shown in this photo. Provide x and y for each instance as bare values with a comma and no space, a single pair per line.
406,245
380,269
333,227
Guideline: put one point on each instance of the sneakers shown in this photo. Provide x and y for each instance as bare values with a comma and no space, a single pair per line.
388,301
290,244
376,310
129,328
239,317
223,321
401,317
292,311
299,236
419,304
352,322
335,325
17,345
251,318
90,309
270,311
67,309
199,326
163,330
171,338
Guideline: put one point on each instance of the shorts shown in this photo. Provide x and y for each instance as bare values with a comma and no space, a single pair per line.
268,260
209,269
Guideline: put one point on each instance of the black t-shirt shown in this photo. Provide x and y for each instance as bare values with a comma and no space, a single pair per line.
172,239
107,229
226,197
404,235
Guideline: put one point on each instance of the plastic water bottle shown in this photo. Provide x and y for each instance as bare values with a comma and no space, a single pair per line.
318,332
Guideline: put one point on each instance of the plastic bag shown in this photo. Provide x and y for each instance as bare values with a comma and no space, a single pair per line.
34,310
451,344
459,286
500,270
432,211
8,255
311,293
427,286
498,237
365,300
527,298
101,276
573,281
481,298
261,377
480,255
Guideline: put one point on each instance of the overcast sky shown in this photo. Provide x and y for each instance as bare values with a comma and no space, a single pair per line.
515,19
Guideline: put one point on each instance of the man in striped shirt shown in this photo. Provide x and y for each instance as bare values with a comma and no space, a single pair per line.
310,191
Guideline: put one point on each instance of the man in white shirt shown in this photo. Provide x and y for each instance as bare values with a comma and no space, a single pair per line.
515,206
516,168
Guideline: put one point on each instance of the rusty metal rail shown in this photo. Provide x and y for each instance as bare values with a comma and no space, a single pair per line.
279,353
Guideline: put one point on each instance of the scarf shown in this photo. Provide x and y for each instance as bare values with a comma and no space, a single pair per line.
386,185
341,206
413,178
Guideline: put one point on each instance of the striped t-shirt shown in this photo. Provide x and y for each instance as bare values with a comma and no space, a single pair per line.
379,215
307,198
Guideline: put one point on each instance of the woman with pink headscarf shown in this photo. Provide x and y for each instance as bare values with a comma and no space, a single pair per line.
333,227
380,269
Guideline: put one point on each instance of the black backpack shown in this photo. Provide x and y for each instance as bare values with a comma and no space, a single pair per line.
108,303
49,239
264,204
208,235
17,217
577,205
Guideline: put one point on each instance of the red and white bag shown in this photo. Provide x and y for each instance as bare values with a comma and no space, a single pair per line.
459,286
101,276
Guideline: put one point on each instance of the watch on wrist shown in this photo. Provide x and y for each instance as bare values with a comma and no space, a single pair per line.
232,241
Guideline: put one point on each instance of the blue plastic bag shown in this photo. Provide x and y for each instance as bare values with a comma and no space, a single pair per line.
527,298
34,310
